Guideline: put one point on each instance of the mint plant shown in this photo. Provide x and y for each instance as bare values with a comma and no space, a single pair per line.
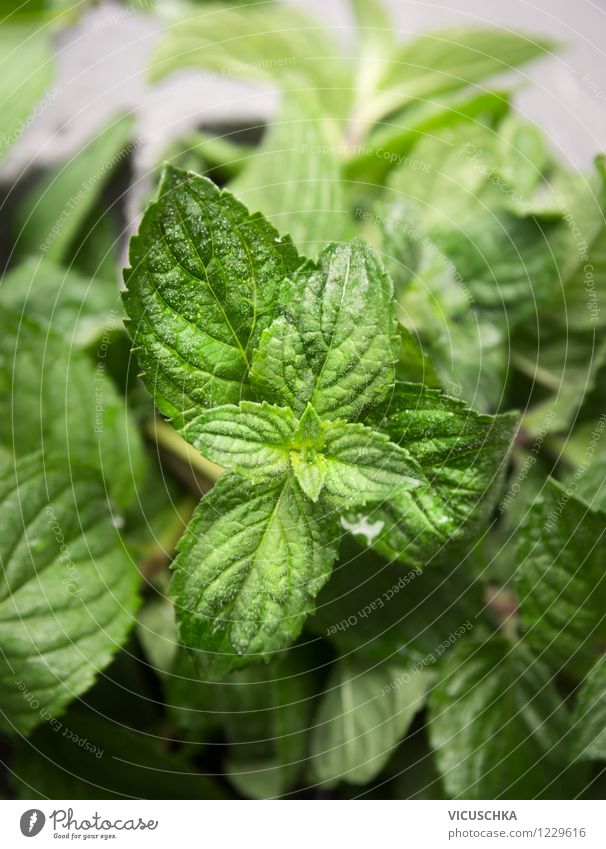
223,314
308,501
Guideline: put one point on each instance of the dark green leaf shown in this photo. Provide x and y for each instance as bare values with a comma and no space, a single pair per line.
84,756
363,715
589,717
201,289
463,455
497,724
561,580
380,610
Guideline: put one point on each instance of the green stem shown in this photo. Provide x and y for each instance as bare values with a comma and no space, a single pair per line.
169,440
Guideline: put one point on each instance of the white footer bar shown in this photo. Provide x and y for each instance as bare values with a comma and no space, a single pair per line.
304,824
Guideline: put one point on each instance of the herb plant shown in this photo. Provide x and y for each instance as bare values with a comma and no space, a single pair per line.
314,505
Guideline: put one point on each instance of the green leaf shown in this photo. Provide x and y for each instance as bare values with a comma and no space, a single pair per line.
497,724
269,43
26,59
377,609
522,156
294,177
363,715
590,486
220,157
508,259
308,464
561,582
463,456
310,473
85,756
589,717
280,370
201,289
71,407
53,213
61,299
435,305
448,60
251,439
571,376
363,465
68,591
250,564
344,311
265,713
390,143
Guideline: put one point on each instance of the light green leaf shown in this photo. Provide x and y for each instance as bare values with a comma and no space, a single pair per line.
450,60
201,289
462,454
68,592
250,564
522,157
575,304
269,43
54,212
363,715
363,465
464,349
497,724
280,370
26,65
571,375
294,178
220,157
309,465
58,401
251,439
390,143
561,581
589,717
343,309
509,261
310,473
62,299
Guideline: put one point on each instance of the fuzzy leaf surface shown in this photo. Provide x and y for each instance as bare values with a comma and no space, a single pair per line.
251,439
343,309
251,562
363,465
